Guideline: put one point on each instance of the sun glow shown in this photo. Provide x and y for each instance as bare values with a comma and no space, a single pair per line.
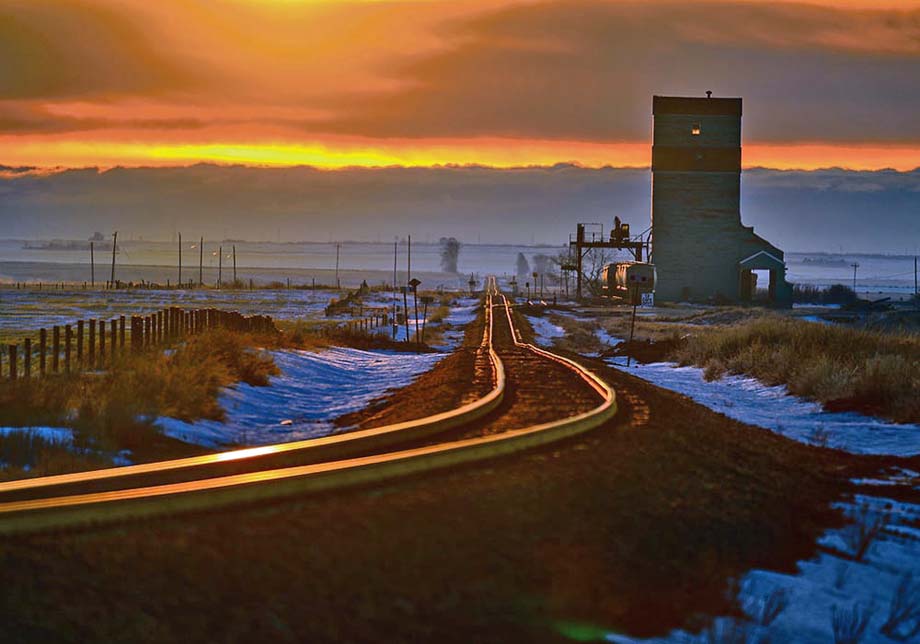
495,152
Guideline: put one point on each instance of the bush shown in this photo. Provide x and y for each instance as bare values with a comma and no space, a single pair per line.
834,294
860,534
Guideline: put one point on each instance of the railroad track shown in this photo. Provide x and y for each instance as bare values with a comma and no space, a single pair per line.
536,398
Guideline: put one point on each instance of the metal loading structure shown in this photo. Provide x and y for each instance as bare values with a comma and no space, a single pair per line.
586,241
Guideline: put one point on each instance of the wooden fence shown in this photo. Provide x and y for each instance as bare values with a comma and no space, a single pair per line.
89,345
367,324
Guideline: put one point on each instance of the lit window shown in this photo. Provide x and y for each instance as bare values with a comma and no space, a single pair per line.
695,131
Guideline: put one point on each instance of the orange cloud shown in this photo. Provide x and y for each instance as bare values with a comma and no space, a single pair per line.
513,82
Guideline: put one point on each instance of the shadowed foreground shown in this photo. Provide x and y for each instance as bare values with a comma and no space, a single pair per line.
639,527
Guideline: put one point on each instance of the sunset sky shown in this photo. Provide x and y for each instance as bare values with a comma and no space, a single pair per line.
334,83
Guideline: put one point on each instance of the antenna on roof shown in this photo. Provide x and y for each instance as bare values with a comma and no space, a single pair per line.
708,93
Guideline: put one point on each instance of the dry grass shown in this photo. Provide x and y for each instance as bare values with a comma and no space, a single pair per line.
843,368
113,410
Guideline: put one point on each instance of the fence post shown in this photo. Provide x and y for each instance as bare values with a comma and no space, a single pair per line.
121,332
114,335
42,350
91,346
55,349
79,344
13,369
68,337
101,344
27,358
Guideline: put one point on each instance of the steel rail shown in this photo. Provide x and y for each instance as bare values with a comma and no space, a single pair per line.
334,447
56,512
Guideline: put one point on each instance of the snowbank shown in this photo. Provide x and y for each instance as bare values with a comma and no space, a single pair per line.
750,401
313,390
59,435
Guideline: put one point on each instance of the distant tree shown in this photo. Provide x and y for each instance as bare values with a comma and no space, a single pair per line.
543,264
450,254
522,267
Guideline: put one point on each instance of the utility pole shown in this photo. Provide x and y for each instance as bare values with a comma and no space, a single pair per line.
855,265
179,283
337,248
915,276
405,291
220,266
234,268
201,262
414,284
395,253
114,246
92,264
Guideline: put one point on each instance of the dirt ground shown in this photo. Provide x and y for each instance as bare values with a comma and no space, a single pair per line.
640,526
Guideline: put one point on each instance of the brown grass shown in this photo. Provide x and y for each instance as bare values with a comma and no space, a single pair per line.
113,410
843,368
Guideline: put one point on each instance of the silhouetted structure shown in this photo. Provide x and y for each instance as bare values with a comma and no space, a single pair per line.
699,246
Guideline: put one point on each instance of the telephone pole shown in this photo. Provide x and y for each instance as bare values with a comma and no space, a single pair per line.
114,246
915,276
395,252
201,262
855,265
180,261
338,246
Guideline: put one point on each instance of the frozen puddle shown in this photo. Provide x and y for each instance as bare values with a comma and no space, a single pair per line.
750,401
311,392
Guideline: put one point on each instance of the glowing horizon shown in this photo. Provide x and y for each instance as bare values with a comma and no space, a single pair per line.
496,153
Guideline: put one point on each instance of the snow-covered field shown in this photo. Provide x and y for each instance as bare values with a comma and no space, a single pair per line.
30,310
311,392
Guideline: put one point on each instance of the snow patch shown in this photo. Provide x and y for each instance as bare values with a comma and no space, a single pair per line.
544,330
312,391
59,435
750,401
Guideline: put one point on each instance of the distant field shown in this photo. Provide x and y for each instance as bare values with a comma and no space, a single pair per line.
28,310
